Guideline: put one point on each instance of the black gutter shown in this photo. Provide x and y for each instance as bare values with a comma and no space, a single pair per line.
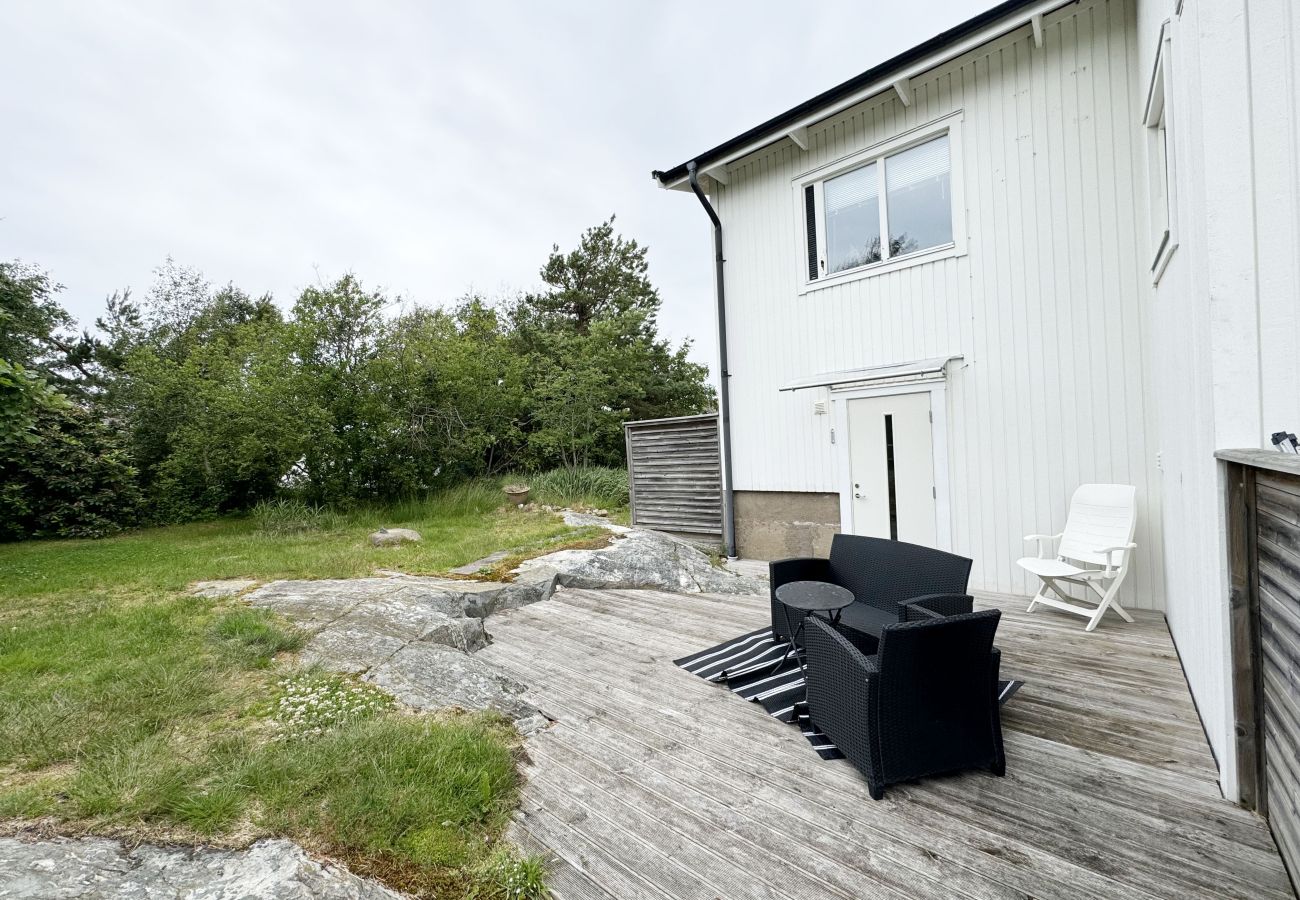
776,127
724,394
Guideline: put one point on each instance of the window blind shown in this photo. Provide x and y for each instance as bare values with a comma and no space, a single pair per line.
850,189
918,164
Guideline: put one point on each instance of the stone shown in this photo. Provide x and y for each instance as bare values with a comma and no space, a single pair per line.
430,676
226,587
389,537
640,559
102,869
465,634
479,565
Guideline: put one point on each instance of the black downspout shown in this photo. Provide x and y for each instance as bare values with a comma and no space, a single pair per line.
724,394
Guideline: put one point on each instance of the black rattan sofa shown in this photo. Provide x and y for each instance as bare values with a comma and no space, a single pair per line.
886,577
926,703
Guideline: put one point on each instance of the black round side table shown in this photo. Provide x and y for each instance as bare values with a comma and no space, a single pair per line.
806,597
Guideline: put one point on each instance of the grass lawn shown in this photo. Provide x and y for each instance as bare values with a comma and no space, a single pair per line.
129,707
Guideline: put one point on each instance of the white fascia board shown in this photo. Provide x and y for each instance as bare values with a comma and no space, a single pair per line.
947,54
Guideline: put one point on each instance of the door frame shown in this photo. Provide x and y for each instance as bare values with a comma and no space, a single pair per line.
937,389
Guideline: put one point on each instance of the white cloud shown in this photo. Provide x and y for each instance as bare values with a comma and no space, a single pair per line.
430,148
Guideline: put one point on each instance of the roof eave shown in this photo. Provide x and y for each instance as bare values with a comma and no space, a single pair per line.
793,123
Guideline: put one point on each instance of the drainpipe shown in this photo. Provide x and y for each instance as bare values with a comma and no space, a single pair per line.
724,394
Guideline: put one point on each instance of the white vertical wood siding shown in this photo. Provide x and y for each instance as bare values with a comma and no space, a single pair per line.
1225,316
1045,308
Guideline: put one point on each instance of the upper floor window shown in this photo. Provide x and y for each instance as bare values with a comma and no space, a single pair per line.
887,207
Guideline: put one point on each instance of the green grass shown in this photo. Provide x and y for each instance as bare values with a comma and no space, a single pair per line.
129,707
458,526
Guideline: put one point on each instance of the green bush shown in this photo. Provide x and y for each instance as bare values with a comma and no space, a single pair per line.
289,515
73,479
593,486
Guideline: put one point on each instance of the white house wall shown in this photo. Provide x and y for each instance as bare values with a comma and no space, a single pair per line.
1046,308
1224,332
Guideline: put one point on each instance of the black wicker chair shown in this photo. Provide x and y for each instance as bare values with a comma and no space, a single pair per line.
925,704
886,577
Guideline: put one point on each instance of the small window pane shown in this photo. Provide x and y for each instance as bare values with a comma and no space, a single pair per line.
852,205
919,204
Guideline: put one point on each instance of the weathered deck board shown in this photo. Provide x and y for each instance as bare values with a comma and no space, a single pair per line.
655,784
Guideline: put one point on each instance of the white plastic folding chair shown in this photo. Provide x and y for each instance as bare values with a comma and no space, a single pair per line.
1095,551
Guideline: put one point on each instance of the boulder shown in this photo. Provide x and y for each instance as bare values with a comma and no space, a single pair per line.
97,867
389,537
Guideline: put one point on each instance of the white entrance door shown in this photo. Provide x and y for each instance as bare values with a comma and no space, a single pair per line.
891,462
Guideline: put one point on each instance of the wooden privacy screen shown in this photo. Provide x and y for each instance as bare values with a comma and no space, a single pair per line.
674,471
1263,508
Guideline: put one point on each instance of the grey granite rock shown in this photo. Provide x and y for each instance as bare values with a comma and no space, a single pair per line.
226,587
314,604
389,537
412,635
430,676
641,559
100,869
349,650
581,520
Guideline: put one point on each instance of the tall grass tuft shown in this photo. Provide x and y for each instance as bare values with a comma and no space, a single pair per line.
593,486
289,515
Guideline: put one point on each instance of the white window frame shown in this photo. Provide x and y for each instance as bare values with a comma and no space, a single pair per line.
1161,163
949,125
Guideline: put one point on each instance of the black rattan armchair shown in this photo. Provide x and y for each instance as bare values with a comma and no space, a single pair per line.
925,704
885,576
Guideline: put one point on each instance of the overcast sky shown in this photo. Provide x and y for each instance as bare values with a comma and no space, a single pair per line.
431,148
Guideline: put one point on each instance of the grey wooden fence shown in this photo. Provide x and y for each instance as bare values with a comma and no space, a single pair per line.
675,474
1263,507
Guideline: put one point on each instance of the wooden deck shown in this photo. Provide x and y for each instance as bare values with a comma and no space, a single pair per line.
653,783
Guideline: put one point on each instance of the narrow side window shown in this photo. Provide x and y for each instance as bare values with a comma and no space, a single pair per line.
810,220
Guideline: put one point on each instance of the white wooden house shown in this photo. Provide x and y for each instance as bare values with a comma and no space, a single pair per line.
1055,245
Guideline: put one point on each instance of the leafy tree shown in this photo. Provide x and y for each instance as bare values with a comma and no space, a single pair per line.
204,400
336,336
460,390
216,431
73,480
592,340
37,333
23,395
604,277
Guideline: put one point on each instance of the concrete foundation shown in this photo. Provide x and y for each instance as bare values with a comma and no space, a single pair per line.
777,524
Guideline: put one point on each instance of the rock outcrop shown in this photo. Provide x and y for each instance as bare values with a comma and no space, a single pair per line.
101,869
389,537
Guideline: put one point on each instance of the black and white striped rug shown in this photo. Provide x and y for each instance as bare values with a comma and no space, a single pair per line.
748,666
